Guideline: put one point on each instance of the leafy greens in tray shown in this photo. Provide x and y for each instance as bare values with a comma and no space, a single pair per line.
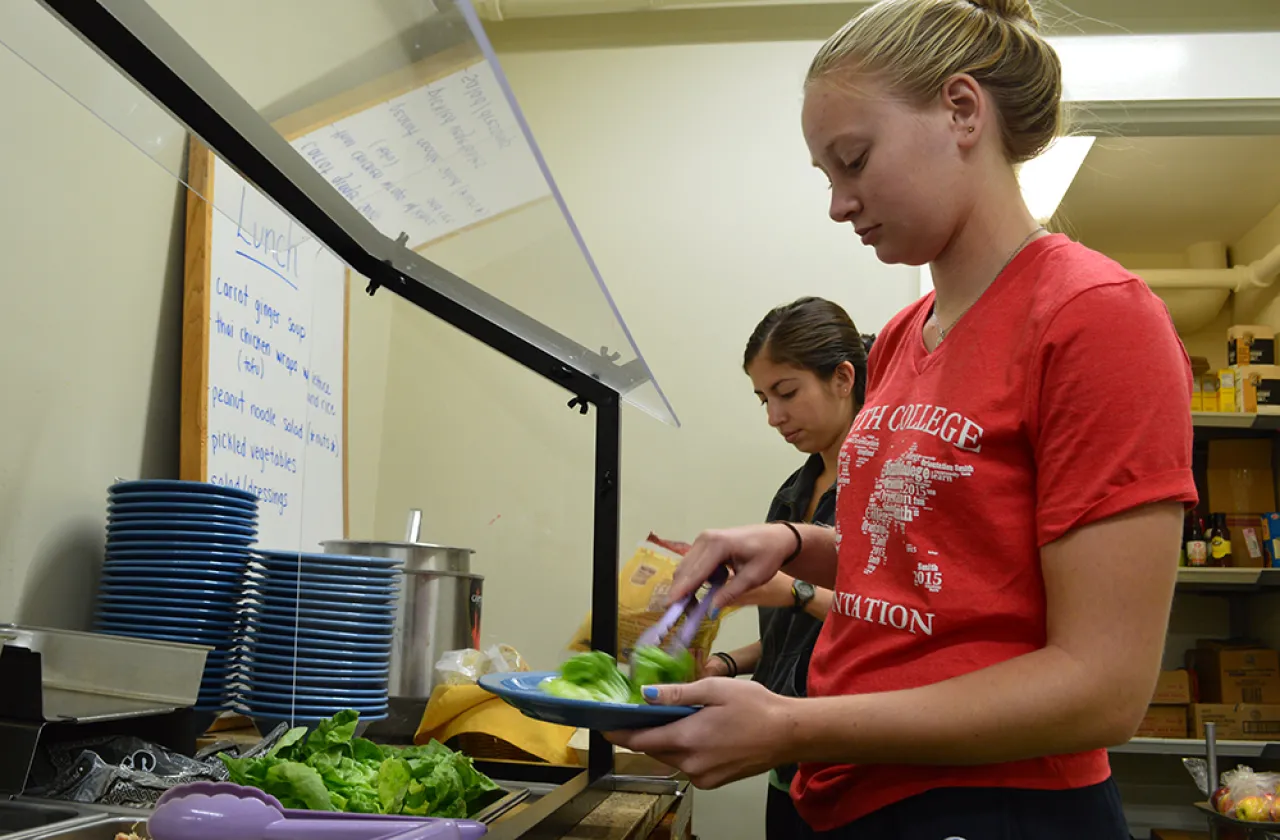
595,675
332,770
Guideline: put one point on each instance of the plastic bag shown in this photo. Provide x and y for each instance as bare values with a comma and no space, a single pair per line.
643,585
462,667
1245,794
466,666
121,770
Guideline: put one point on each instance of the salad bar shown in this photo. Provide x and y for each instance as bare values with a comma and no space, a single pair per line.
301,644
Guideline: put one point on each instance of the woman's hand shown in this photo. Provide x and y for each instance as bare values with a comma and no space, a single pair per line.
754,553
761,722
776,593
711,666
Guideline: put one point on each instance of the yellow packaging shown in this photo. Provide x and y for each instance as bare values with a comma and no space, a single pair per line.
1208,391
1257,388
1226,390
643,585
1197,402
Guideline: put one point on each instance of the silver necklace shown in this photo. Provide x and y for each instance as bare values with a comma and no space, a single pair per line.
937,325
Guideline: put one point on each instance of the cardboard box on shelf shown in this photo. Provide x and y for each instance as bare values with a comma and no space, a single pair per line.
1247,541
1251,344
1271,538
1237,722
1240,477
1174,688
1235,674
1226,390
1257,389
1164,722
1208,391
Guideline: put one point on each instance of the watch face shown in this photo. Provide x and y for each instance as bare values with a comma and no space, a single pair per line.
803,592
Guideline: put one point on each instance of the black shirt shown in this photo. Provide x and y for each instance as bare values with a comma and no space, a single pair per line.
787,636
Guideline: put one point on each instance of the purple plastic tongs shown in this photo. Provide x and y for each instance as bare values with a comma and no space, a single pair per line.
223,811
696,611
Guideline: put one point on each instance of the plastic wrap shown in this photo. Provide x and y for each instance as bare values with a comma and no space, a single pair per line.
468,665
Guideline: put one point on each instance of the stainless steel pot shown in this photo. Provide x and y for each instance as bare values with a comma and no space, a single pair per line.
438,610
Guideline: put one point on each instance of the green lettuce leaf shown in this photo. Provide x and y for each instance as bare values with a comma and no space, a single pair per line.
332,770
654,666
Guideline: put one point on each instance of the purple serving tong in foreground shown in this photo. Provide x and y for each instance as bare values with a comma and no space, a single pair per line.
222,810
655,634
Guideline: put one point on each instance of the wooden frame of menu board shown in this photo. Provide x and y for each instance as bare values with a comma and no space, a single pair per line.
199,390
306,129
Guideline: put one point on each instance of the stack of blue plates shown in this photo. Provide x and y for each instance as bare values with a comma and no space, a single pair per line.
177,560
318,636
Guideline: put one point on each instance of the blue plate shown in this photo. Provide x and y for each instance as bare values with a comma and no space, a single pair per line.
202,544
168,485
169,585
284,663
181,558
125,605
346,560
147,598
318,594
208,622
521,689
336,583
283,693
284,707
120,571
316,656
379,643
172,497
215,561
359,578
266,679
183,521
146,537
180,638
335,588
195,636
349,612
381,625
228,508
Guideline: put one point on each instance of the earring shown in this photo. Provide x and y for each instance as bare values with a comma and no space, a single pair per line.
971,129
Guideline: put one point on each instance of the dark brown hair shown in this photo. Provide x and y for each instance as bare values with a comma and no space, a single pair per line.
813,334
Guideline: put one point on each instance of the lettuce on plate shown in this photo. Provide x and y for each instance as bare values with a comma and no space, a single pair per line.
595,675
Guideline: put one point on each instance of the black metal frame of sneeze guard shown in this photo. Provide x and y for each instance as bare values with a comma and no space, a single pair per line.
145,49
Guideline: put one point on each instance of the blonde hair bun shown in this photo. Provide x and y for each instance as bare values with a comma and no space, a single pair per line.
1013,10
916,45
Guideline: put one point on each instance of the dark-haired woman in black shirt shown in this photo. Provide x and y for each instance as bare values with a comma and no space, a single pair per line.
808,365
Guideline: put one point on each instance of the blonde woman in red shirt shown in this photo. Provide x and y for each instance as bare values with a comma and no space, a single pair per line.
1010,497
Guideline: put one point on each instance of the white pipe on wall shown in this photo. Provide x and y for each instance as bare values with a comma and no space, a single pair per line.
1260,273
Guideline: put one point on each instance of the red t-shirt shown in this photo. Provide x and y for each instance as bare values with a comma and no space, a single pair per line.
1061,398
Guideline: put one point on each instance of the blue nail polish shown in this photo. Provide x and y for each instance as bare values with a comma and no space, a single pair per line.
715,613
650,692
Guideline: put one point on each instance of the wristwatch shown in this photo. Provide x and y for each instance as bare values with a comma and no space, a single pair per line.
802,592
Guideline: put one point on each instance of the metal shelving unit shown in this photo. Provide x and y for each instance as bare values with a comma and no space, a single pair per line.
1195,747
1234,420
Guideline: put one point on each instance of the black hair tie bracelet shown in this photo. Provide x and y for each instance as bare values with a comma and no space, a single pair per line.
729,662
799,542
